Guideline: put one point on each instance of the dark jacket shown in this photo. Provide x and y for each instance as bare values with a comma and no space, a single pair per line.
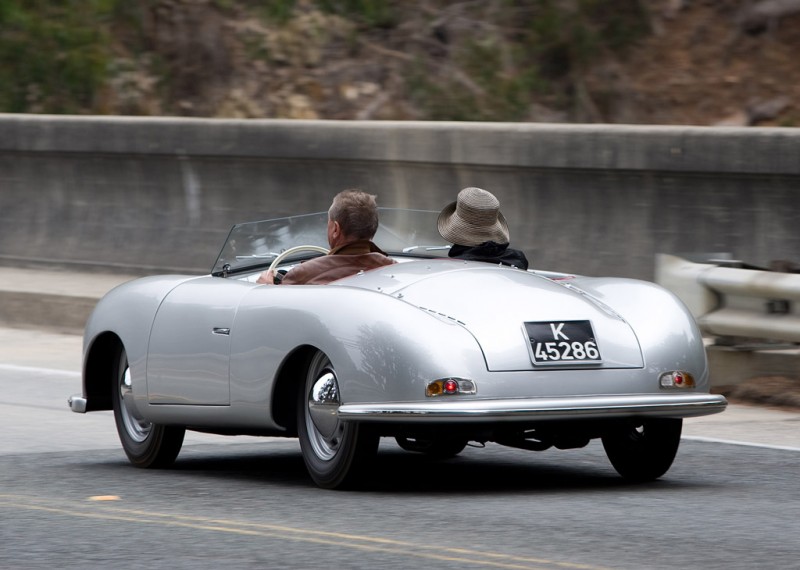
341,262
490,252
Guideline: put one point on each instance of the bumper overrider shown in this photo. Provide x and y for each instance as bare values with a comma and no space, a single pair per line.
538,409
77,404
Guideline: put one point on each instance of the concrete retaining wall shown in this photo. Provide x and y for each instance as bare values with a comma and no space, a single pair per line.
159,194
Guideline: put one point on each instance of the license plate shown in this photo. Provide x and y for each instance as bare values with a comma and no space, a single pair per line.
560,342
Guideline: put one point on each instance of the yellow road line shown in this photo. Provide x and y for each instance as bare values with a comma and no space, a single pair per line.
103,511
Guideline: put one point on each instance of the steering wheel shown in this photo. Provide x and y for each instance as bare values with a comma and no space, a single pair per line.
291,251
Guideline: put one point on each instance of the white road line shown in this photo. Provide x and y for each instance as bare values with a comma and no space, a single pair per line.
37,370
744,443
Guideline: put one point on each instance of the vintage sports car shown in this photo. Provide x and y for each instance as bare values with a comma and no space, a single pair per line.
434,352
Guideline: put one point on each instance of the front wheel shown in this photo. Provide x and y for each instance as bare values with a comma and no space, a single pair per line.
146,444
335,452
644,450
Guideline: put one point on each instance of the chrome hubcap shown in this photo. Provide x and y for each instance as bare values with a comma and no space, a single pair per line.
136,427
322,404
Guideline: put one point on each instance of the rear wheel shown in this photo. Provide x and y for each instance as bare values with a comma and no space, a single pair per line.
335,452
644,450
146,444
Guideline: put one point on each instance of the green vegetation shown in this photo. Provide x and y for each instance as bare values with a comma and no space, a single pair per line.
373,13
279,11
53,54
539,51
479,89
66,56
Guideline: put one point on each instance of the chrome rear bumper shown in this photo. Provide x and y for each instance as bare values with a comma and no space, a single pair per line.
538,409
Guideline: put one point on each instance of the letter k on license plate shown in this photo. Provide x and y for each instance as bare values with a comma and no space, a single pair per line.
562,342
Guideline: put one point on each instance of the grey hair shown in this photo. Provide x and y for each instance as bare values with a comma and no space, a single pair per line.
356,212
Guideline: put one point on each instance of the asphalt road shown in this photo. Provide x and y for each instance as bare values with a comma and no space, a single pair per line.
69,499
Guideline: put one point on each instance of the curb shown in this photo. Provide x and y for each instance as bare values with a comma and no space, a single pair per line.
52,299
57,313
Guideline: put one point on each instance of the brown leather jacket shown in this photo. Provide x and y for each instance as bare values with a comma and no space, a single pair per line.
341,262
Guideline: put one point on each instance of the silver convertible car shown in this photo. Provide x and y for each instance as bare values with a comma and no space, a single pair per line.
434,352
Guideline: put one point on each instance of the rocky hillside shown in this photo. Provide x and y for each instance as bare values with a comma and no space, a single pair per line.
700,62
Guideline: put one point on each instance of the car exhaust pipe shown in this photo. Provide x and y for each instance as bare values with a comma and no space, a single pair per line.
527,444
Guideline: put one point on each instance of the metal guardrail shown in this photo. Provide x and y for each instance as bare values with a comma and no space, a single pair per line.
733,301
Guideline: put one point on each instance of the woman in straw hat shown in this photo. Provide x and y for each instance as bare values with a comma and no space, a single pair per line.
477,229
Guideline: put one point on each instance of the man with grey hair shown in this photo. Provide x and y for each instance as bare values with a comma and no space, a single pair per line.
352,223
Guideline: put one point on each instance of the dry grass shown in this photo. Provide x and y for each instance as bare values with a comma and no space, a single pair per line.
776,391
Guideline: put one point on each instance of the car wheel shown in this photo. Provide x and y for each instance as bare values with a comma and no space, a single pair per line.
335,452
643,451
441,448
146,444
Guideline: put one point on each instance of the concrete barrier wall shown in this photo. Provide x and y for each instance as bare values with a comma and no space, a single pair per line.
159,194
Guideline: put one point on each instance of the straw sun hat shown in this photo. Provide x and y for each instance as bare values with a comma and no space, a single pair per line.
473,218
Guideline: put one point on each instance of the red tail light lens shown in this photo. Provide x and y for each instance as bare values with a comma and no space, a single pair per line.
676,379
450,387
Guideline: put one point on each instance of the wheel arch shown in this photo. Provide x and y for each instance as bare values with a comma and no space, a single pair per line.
98,371
288,382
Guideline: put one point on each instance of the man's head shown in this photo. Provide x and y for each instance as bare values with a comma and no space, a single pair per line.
353,216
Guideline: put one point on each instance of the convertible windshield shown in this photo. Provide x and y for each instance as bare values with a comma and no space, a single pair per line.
409,232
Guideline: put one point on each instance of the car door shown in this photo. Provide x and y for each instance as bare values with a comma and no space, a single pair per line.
189,348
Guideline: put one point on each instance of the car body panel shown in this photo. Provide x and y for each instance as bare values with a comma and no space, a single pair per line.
208,352
127,312
496,319
189,346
